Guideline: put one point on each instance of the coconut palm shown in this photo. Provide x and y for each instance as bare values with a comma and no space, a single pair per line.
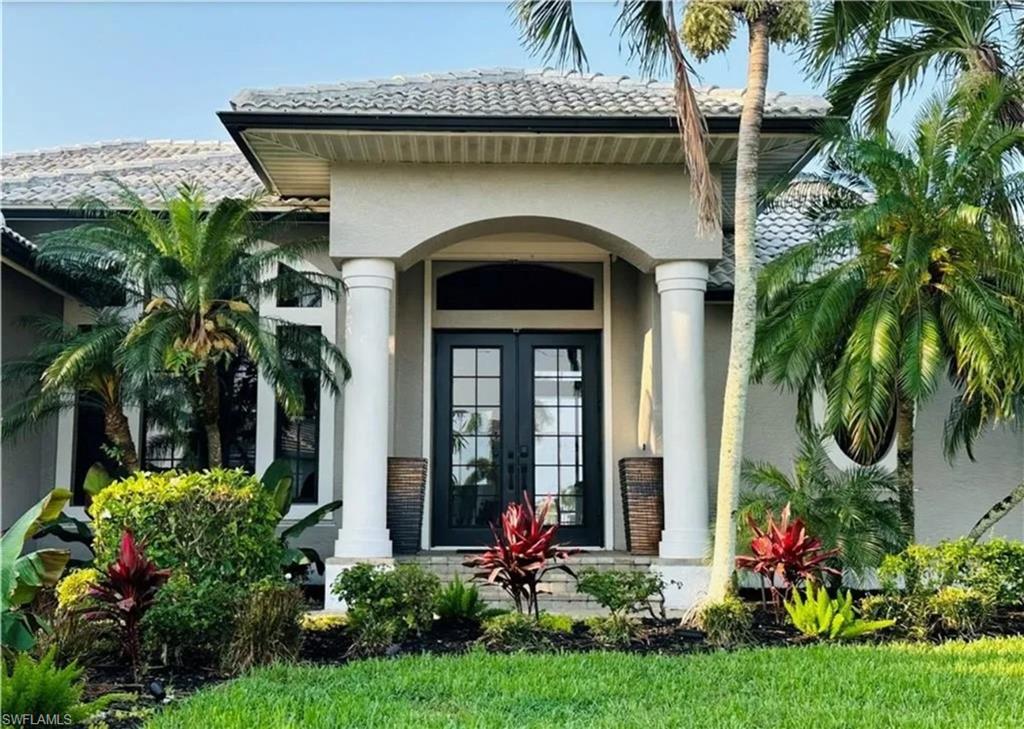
199,272
918,269
69,364
709,27
648,28
854,511
872,50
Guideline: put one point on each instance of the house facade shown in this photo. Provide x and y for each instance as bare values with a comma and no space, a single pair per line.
527,301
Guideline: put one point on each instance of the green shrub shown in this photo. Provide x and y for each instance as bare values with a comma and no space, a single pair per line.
461,602
514,632
728,622
555,622
322,622
909,613
614,631
216,525
267,626
961,610
74,638
72,591
620,591
994,568
191,620
384,605
817,615
41,689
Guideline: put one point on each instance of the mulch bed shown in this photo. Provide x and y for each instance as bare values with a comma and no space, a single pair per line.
332,647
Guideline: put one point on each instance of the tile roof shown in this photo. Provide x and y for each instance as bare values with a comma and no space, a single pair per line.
56,178
59,177
779,227
512,92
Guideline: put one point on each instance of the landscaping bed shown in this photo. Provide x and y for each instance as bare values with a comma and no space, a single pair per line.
820,685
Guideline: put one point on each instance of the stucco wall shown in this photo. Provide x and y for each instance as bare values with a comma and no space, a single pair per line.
28,462
643,214
950,498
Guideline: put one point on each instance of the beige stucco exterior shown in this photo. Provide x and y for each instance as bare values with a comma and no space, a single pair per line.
616,222
643,214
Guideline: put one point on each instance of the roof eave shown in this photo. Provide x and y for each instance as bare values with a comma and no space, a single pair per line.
242,120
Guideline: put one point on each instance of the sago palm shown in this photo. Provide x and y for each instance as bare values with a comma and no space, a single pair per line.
872,50
854,511
199,272
917,270
71,363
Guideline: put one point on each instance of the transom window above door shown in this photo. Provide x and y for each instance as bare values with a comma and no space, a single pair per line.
515,286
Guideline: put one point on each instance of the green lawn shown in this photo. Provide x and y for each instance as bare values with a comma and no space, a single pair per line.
955,685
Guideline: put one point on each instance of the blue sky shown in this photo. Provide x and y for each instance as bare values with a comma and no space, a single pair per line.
79,73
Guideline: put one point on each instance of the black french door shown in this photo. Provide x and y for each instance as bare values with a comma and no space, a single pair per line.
516,412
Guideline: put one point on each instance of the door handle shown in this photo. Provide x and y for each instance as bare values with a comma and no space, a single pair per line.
511,465
524,467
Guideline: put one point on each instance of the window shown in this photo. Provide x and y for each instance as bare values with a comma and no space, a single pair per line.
514,286
294,291
297,438
90,442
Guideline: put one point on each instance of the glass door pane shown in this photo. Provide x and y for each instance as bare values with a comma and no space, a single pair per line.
475,417
558,433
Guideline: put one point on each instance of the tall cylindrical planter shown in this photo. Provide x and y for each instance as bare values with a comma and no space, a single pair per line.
407,479
643,510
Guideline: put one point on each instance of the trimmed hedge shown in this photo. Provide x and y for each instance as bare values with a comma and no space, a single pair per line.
217,524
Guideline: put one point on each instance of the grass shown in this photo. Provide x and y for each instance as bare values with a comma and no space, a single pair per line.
964,685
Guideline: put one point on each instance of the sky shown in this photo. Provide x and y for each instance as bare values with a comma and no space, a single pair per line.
77,73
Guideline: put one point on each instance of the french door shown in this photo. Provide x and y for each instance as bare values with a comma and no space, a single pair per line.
516,413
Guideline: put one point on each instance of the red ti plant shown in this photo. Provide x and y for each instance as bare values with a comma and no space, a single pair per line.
125,592
524,550
784,555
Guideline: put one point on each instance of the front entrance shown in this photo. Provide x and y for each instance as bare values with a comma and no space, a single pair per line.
516,412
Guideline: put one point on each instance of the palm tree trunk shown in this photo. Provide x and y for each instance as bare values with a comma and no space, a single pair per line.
744,312
209,407
117,431
997,512
905,464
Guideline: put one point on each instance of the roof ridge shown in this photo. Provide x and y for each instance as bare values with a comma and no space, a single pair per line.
456,75
115,143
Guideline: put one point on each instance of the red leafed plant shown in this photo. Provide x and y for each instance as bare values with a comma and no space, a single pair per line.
784,554
524,550
125,592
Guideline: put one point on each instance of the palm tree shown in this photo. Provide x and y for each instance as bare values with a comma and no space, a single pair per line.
709,27
200,272
918,268
650,31
871,50
548,27
70,362
853,510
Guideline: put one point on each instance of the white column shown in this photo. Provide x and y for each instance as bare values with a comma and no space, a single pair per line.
364,533
681,285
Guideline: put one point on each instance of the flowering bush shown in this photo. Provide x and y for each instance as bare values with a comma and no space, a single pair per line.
524,550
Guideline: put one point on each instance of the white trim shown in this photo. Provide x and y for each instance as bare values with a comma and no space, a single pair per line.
569,320
428,396
606,409
835,454
325,317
